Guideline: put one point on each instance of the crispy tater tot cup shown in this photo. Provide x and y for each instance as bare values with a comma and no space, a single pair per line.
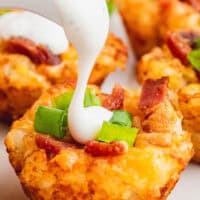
148,171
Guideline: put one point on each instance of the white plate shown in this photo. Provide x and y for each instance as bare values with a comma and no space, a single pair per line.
187,188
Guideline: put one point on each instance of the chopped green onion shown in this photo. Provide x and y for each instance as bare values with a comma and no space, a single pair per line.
122,118
112,132
197,43
51,121
2,12
91,99
63,101
110,6
194,59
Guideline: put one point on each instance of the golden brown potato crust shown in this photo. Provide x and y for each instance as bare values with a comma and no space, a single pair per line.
151,26
148,21
22,82
114,55
178,15
141,18
189,99
147,172
160,62
20,85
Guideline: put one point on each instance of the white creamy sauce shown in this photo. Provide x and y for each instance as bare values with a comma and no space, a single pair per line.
86,24
120,77
34,27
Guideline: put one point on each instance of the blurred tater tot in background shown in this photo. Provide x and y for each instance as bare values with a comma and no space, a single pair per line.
148,21
23,78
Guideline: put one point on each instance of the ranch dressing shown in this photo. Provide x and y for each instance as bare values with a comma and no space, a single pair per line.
34,27
86,23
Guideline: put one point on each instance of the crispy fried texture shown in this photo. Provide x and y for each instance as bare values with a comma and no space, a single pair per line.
114,55
147,171
189,99
178,15
141,18
22,82
20,85
148,21
160,62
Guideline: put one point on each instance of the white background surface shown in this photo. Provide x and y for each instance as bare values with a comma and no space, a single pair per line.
188,188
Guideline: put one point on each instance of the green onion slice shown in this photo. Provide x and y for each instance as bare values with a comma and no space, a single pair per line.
51,121
197,43
110,6
113,132
122,118
91,99
194,59
63,101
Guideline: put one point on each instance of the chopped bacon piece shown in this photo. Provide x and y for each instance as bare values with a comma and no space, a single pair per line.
51,145
115,100
103,149
153,92
179,46
194,3
198,74
37,53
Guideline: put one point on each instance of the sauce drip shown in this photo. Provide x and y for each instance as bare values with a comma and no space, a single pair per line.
34,27
86,24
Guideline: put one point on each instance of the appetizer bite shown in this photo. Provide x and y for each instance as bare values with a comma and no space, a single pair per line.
189,100
148,22
141,18
179,60
141,150
38,55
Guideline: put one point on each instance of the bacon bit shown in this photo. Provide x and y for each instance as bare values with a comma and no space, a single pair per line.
37,53
103,149
115,100
178,46
153,92
194,3
197,74
51,145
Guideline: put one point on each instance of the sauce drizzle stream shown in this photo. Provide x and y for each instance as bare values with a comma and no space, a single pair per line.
86,24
